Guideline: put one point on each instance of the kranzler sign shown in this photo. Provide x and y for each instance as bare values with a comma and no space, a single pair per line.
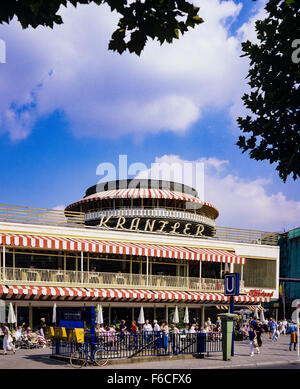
259,293
155,225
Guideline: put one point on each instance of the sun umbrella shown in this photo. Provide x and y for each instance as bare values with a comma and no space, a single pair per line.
54,313
99,317
186,315
262,315
141,319
176,316
2,311
256,312
11,315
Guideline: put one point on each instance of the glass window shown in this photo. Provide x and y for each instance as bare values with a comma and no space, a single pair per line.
211,270
260,273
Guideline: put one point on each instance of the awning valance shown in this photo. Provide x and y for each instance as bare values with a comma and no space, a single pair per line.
19,292
135,193
118,247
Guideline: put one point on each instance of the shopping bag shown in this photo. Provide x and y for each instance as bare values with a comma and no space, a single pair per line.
255,343
10,345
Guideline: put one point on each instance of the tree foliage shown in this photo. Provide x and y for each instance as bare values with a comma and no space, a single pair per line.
272,132
139,19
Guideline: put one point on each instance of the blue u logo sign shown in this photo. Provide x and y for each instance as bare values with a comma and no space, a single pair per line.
229,284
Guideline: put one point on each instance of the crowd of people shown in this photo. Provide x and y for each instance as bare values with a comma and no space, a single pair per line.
254,329
120,326
22,334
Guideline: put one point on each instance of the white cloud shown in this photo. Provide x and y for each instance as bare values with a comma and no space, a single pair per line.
59,208
104,94
242,203
244,33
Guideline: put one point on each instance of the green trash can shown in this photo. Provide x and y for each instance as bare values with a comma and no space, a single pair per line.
227,320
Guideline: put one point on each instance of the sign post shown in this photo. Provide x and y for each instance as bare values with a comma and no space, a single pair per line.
232,288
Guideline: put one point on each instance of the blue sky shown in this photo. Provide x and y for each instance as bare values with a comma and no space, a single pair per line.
69,105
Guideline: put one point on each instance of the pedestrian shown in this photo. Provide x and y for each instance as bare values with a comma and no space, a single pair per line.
218,322
147,326
293,330
164,335
134,329
253,322
174,338
208,322
205,329
41,337
156,326
259,331
192,329
273,328
284,323
185,330
7,340
147,329
253,341
269,328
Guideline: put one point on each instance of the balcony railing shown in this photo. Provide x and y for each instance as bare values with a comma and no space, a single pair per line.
18,214
97,279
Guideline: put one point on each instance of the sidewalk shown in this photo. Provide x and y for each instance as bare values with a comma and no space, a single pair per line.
271,353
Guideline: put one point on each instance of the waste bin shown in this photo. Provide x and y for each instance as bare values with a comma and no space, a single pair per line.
227,320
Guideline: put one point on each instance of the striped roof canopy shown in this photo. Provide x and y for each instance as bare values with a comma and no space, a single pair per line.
118,247
145,193
19,292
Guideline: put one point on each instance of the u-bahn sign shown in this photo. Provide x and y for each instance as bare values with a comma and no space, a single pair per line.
232,284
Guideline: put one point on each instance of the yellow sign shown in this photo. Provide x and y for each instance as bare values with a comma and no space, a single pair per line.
79,335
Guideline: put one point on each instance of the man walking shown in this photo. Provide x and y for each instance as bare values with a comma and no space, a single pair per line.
273,329
293,330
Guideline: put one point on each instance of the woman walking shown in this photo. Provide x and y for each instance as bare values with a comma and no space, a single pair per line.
7,340
253,341
259,331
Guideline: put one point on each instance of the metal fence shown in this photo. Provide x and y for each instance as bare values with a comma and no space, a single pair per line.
19,214
148,344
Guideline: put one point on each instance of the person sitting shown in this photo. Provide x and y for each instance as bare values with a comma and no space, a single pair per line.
17,333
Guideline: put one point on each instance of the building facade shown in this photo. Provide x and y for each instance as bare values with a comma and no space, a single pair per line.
128,244
289,270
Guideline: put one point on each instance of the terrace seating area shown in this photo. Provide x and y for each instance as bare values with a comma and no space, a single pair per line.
104,279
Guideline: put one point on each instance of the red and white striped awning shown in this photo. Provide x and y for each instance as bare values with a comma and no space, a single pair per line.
116,247
253,307
17,292
144,193
222,307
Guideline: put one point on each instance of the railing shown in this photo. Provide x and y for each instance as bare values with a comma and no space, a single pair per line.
17,214
148,344
246,236
96,279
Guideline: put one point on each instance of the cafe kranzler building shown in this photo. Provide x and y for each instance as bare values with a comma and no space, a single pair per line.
127,244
